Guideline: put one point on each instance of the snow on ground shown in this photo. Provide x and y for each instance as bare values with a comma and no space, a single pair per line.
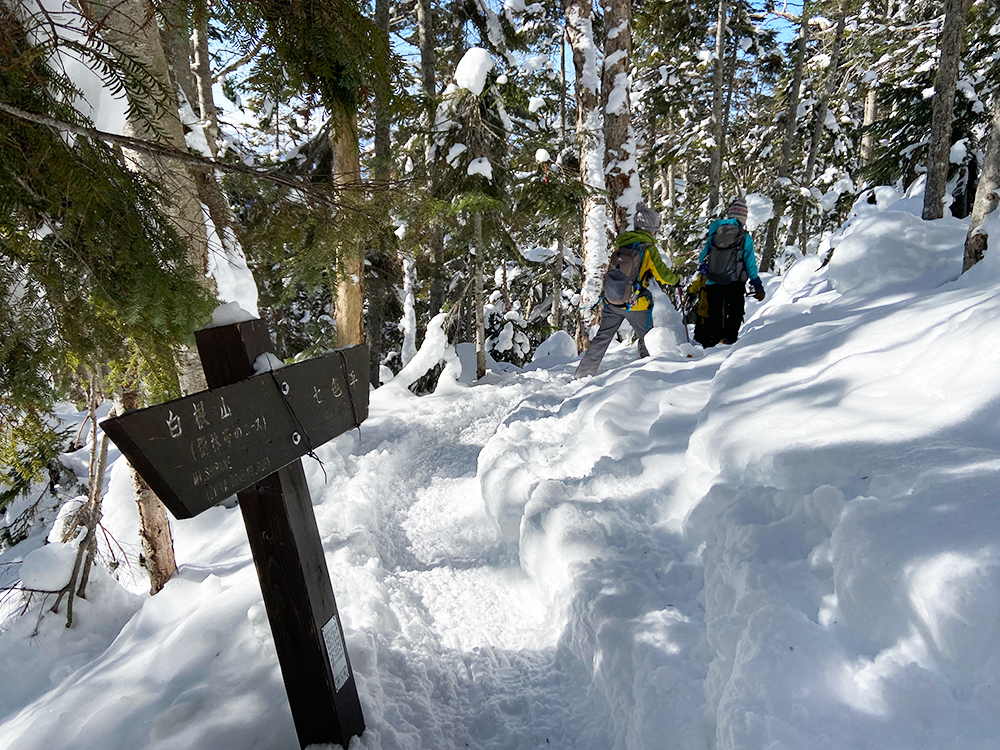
788,543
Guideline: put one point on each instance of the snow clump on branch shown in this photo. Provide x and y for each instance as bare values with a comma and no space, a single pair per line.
472,70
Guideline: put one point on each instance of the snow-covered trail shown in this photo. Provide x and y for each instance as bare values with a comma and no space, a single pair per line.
477,641
584,631
459,644
786,544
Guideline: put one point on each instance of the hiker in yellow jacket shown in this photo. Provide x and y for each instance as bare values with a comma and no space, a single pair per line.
626,295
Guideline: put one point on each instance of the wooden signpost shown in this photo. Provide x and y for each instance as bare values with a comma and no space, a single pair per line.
246,435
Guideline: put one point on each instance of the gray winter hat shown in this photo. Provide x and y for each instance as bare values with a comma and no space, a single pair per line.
738,210
646,218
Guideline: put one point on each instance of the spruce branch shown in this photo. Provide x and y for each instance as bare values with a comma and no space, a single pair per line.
324,193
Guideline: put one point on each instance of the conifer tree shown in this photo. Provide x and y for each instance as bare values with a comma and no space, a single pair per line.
81,289
126,27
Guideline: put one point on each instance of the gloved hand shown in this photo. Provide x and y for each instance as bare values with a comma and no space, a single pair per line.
703,268
758,290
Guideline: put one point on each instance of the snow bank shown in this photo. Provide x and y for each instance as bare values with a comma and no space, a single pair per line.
850,572
559,347
566,482
897,251
49,568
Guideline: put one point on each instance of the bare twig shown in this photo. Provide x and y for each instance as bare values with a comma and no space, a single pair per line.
239,62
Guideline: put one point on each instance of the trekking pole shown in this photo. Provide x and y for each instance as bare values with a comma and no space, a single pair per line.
680,308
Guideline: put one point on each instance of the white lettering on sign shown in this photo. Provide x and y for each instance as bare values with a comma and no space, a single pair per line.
174,425
231,483
224,411
335,650
199,415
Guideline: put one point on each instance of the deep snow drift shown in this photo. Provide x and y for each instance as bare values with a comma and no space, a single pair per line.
789,543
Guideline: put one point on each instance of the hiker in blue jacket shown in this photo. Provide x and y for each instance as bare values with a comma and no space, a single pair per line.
636,305
727,261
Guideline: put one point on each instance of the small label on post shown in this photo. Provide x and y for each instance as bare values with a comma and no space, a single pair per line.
335,650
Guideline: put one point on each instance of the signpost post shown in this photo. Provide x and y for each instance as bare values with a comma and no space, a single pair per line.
246,435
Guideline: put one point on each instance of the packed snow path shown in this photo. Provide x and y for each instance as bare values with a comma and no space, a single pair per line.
488,650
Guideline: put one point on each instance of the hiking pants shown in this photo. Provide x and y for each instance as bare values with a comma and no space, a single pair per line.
726,307
611,320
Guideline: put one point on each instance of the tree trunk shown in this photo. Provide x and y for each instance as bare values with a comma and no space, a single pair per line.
176,45
480,296
943,108
428,80
89,516
987,195
203,71
351,263
557,286
590,140
198,91
718,89
728,106
130,25
383,257
822,107
791,123
870,117
619,170
557,273
154,526
871,113
94,515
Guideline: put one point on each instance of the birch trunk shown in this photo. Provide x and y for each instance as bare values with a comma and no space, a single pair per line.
987,195
943,107
870,117
619,163
727,108
590,140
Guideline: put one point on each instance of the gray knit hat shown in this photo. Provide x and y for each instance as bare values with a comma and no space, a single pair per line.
738,210
646,218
